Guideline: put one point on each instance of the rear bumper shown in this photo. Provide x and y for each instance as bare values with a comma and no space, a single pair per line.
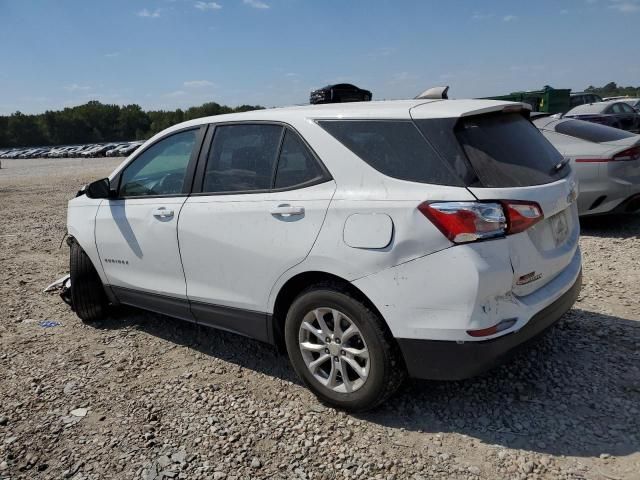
449,360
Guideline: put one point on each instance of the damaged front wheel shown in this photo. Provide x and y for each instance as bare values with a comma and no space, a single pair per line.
87,292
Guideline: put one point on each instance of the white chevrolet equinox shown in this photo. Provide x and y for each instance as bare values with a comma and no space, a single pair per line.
371,240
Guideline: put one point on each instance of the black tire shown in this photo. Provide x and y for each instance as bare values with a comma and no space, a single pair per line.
87,292
386,370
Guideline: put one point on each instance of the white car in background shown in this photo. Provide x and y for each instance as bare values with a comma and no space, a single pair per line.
371,240
606,161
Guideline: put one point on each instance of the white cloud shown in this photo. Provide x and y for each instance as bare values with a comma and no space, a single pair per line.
74,87
198,83
256,4
509,18
622,6
148,13
112,54
207,6
177,93
564,12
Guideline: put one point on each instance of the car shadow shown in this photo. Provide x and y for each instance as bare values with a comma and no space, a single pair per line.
620,226
230,347
574,392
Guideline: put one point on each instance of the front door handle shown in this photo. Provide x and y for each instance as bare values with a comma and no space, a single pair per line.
287,210
163,213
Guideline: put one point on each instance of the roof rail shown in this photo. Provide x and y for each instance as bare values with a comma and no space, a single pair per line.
436,93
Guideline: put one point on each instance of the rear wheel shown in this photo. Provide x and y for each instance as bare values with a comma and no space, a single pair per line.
341,349
87,292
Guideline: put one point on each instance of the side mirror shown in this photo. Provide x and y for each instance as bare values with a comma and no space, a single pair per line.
99,189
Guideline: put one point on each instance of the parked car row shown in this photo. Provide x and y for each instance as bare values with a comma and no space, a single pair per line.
116,149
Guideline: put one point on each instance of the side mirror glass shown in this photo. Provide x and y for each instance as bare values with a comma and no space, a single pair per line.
99,189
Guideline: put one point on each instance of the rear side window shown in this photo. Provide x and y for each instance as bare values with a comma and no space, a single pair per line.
591,132
506,150
626,108
242,158
617,108
296,165
395,148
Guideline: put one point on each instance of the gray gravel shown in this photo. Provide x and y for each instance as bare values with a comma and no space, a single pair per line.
143,396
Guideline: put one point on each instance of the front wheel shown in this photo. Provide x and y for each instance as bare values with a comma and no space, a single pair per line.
341,349
87,292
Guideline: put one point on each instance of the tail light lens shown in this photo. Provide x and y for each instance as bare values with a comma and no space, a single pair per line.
629,154
463,222
632,153
521,215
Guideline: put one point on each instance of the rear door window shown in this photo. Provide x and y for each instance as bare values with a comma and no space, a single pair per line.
395,148
242,158
591,132
506,150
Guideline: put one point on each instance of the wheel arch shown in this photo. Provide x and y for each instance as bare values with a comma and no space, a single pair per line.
302,281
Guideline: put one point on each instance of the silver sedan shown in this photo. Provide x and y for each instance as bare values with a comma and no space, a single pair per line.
606,161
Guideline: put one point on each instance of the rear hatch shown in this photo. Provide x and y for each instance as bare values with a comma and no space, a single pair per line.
501,156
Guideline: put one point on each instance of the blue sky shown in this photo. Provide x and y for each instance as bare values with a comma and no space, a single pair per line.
178,53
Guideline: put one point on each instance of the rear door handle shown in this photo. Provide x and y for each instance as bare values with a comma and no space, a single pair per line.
287,210
163,213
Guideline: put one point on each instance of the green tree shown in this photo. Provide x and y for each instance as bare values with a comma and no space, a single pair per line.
97,122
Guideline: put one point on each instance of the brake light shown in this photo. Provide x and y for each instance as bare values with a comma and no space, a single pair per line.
521,215
463,222
632,153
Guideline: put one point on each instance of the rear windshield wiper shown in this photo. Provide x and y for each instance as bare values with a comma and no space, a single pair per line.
560,165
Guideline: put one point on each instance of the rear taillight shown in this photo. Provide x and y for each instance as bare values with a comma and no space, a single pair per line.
463,222
521,215
632,153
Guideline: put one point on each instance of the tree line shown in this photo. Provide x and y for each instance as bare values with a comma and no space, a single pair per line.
95,122
611,89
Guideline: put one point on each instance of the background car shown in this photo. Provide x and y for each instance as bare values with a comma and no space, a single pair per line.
129,149
581,98
614,114
606,161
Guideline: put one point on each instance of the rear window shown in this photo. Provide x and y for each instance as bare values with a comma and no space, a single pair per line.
591,132
395,148
506,150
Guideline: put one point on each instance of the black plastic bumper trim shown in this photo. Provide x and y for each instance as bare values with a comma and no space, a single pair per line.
449,360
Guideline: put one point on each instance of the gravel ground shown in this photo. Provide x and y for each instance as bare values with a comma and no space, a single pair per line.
144,396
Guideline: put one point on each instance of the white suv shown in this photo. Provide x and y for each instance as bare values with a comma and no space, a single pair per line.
371,240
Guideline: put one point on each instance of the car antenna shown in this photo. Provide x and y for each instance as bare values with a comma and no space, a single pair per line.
436,93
